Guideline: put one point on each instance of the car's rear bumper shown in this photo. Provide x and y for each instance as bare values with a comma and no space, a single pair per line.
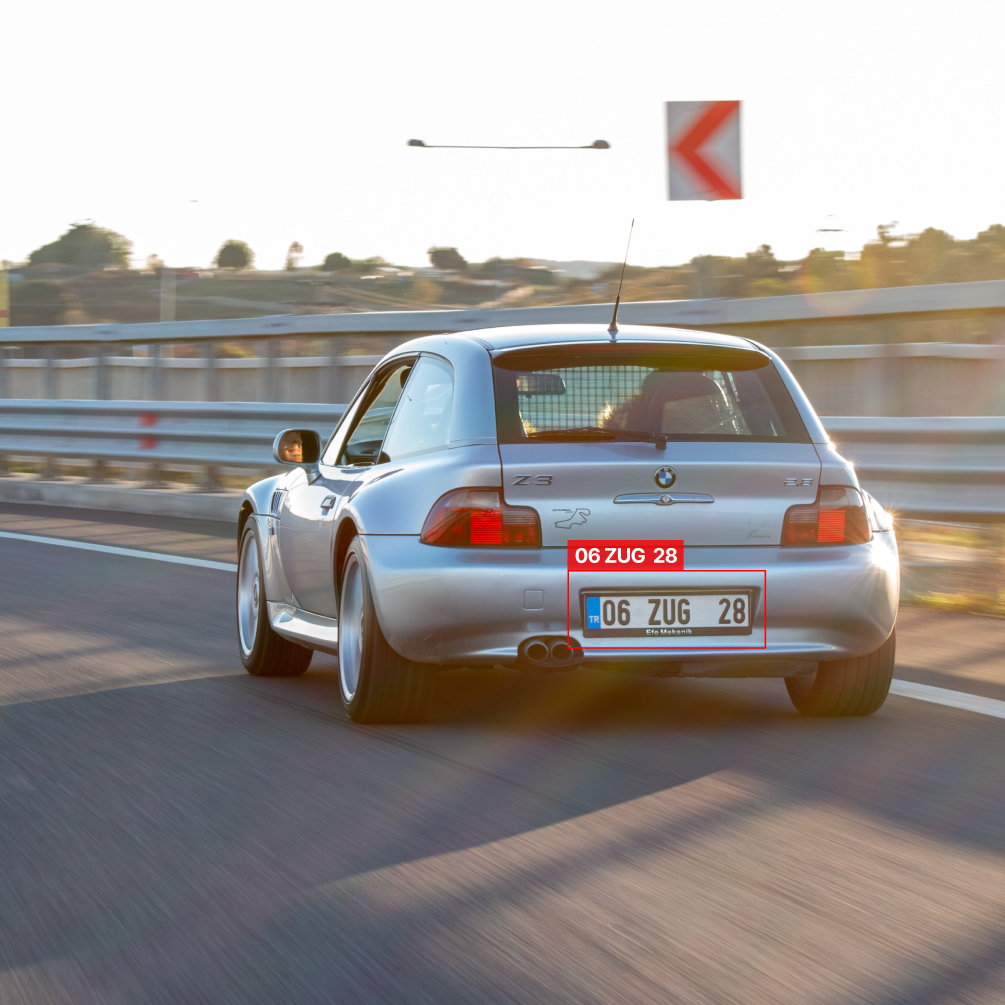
456,606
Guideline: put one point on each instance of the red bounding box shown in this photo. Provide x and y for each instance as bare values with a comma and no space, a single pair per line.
626,556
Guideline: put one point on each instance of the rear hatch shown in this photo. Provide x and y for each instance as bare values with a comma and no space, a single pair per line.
659,441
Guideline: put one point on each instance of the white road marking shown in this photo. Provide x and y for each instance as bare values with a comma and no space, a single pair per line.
954,699
109,549
904,688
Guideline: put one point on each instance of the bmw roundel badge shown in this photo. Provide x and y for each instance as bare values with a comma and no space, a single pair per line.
665,477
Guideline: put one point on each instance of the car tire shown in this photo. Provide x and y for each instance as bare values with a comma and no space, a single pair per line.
377,685
263,652
846,687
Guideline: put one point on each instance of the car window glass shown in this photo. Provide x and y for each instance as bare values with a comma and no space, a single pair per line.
363,444
333,450
421,421
680,392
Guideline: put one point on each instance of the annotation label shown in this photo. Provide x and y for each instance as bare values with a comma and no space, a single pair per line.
632,556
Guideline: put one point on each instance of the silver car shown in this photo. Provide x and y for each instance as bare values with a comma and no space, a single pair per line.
433,529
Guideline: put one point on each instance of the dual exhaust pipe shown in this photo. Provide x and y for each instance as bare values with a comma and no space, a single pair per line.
549,652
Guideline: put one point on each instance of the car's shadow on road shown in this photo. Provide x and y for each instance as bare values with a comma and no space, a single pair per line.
582,700
907,763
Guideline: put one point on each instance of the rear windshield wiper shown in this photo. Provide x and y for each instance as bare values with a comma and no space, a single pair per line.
600,433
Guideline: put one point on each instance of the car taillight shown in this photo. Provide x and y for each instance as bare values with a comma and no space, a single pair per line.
837,517
478,518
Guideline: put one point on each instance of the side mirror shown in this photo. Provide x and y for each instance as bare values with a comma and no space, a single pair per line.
299,448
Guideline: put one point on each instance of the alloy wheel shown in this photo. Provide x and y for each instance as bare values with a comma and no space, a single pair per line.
350,628
248,595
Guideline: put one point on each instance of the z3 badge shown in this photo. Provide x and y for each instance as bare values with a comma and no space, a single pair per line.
531,480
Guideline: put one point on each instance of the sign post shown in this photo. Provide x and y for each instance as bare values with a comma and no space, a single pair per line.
703,147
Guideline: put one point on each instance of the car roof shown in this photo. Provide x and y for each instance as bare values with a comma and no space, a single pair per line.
526,336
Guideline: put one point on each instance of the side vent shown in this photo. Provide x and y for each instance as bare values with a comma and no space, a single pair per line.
277,498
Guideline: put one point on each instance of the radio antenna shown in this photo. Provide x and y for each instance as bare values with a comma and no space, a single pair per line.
613,330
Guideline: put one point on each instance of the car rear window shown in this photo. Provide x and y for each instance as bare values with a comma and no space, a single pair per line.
680,391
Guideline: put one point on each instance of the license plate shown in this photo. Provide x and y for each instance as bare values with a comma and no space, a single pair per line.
667,614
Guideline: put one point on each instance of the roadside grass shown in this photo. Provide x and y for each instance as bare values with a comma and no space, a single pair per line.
953,566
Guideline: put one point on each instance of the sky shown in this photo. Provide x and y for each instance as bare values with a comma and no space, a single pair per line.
184,125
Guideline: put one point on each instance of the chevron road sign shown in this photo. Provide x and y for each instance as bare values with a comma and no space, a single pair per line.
703,145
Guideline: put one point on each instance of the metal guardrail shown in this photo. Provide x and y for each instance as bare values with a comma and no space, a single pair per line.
202,378
901,378
885,376
935,468
204,435
928,467
899,300
893,350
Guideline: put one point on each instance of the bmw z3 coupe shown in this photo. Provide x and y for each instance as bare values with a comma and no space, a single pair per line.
432,530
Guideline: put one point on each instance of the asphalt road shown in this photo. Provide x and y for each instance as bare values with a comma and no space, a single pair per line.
174,831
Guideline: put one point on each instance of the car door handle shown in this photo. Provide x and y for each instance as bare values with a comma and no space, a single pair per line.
328,502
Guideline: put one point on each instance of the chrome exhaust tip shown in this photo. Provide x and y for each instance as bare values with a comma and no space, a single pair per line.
536,651
561,652
548,652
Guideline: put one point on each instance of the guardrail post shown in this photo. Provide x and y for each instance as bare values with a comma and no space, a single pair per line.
100,373
212,377
99,470
885,398
50,371
211,478
271,370
998,559
4,467
156,391
148,441
333,372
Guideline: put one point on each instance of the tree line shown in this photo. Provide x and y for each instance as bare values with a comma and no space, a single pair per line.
891,259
